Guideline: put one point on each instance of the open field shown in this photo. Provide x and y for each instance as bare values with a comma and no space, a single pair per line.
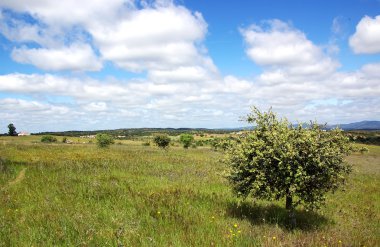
134,195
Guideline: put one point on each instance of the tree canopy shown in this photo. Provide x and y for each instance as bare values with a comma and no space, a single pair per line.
277,160
104,140
186,140
12,130
162,140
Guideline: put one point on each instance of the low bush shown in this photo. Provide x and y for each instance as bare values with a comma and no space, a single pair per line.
162,141
104,140
48,139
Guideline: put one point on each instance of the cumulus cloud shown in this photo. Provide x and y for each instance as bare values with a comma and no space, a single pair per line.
208,103
277,44
180,74
76,57
158,36
152,38
366,39
300,79
31,106
67,13
95,106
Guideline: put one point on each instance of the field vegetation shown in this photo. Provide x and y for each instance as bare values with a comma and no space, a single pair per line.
131,194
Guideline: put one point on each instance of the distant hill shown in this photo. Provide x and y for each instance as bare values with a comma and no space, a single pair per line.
363,125
133,132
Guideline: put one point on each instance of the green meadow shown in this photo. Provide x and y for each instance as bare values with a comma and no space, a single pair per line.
133,195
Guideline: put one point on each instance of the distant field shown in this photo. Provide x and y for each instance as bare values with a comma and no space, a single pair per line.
133,195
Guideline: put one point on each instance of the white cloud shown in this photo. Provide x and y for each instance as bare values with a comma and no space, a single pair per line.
152,38
159,36
277,44
31,106
68,12
366,39
76,57
372,70
95,107
218,102
179,74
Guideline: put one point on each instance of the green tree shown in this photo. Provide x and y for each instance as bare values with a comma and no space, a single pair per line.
104,140
162,141
48,139
186,140
277,160
12,130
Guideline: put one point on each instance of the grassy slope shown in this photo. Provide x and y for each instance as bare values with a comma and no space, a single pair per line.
141,196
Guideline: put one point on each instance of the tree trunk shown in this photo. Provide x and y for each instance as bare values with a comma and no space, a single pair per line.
291,214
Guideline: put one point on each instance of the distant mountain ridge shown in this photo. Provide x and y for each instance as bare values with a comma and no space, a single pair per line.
363,125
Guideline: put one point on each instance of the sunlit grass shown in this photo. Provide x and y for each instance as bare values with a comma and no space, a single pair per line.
134,195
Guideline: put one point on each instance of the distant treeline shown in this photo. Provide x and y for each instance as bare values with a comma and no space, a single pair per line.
138,132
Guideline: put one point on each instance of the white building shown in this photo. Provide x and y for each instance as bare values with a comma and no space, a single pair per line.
24,133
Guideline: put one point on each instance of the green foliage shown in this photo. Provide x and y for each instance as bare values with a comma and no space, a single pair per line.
162,141
64,139
223,143
147,144
104,140
199,143
277,160
48,139
186,140
363,150
12,130
366,137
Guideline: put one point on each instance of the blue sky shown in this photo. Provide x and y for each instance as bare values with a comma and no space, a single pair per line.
98,64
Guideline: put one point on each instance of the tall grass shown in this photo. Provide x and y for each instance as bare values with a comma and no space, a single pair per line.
134,195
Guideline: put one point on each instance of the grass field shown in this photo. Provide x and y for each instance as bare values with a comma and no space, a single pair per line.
134,195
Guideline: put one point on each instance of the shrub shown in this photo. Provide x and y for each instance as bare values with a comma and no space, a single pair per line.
363,150
277,160
48,139
146,144
223,143
199,143
186,140
162,141
104,140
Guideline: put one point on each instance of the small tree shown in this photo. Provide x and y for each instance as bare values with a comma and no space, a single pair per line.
162,141
277,160
186,140
104,140
48,139
12,130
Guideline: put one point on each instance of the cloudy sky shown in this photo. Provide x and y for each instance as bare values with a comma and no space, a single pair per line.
104,64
